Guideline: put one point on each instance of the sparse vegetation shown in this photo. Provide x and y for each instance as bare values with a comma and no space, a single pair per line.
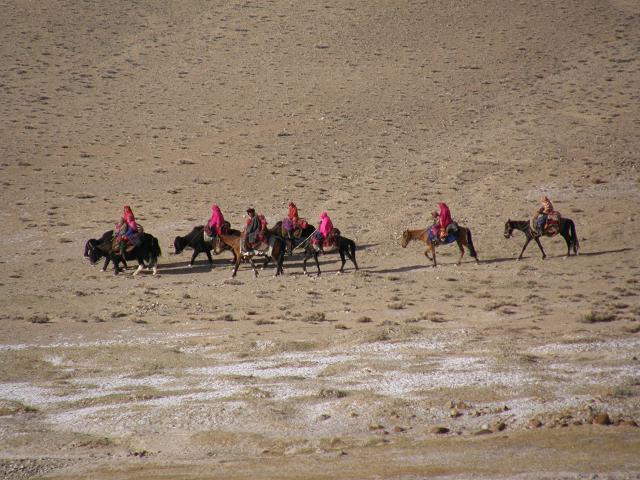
597,317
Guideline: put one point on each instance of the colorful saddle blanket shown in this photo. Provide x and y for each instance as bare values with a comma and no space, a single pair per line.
433,238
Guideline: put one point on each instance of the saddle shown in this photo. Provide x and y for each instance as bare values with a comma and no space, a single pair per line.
436,239
262,248
551,226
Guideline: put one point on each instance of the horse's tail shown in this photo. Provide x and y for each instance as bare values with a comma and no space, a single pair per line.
472,249
351,245
574,236
155,247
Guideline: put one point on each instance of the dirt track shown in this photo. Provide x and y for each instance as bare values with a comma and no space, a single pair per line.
375,112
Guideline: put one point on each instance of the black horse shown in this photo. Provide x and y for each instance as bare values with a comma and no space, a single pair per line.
91,243
345,247
148,250
567,230
196,241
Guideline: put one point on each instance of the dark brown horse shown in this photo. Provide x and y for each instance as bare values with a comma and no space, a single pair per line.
345,247
276,245
464,240
567,230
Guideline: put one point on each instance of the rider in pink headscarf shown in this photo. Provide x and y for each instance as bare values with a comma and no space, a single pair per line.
216,220
324,230
124,234
130,220
444,222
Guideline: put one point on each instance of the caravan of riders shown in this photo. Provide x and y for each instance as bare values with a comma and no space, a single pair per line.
257,239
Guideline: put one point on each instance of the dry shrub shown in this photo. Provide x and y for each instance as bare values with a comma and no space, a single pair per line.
596,317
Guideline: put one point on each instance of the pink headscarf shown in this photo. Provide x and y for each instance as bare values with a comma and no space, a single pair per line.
445,215
216,219
129,218
325,225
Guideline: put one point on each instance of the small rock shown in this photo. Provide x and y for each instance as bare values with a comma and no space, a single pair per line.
534,423
601,419
455,413
498,427
483,431
439,430
399,429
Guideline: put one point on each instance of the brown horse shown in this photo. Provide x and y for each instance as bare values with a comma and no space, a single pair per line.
277,253
464,240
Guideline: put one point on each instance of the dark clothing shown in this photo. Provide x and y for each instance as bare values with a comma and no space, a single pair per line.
252,230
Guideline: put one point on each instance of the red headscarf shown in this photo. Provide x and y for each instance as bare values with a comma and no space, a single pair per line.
445,215
325,225
216,219
128,217
293,212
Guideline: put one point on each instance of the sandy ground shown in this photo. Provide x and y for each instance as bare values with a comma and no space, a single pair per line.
374,111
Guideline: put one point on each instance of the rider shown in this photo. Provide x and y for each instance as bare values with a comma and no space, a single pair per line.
293,214
252,227
126,228
542,214
215,222
324,230
443,223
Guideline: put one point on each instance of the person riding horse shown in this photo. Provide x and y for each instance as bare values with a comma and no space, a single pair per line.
545,216
126,229
443,225
254,230
322,233
213,228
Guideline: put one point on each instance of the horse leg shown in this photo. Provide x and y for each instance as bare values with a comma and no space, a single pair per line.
315,257
116,266
106,263
209,257
140,267
352,257
253,265
304,262
433,253
524,247
461,252
342,259
544,255
193,257
565,235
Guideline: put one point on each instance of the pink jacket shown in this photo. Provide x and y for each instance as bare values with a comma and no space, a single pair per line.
445,215
128,217
326,227
216,219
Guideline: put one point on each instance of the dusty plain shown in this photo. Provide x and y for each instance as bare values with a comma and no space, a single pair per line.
374,111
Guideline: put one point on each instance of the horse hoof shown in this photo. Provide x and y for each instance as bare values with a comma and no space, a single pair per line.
103,269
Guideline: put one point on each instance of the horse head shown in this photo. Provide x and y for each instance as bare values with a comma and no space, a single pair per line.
92,252
405,239
508,229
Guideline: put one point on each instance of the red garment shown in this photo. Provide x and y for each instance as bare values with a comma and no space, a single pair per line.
444,218
216,220
129,218
293,213
326,227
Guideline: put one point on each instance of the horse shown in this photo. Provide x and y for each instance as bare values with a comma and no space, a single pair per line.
91,243
294,243
277,246
344,247
195,240
567,230
464,239
147,250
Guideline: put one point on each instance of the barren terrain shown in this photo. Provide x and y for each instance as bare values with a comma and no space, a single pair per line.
375,112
